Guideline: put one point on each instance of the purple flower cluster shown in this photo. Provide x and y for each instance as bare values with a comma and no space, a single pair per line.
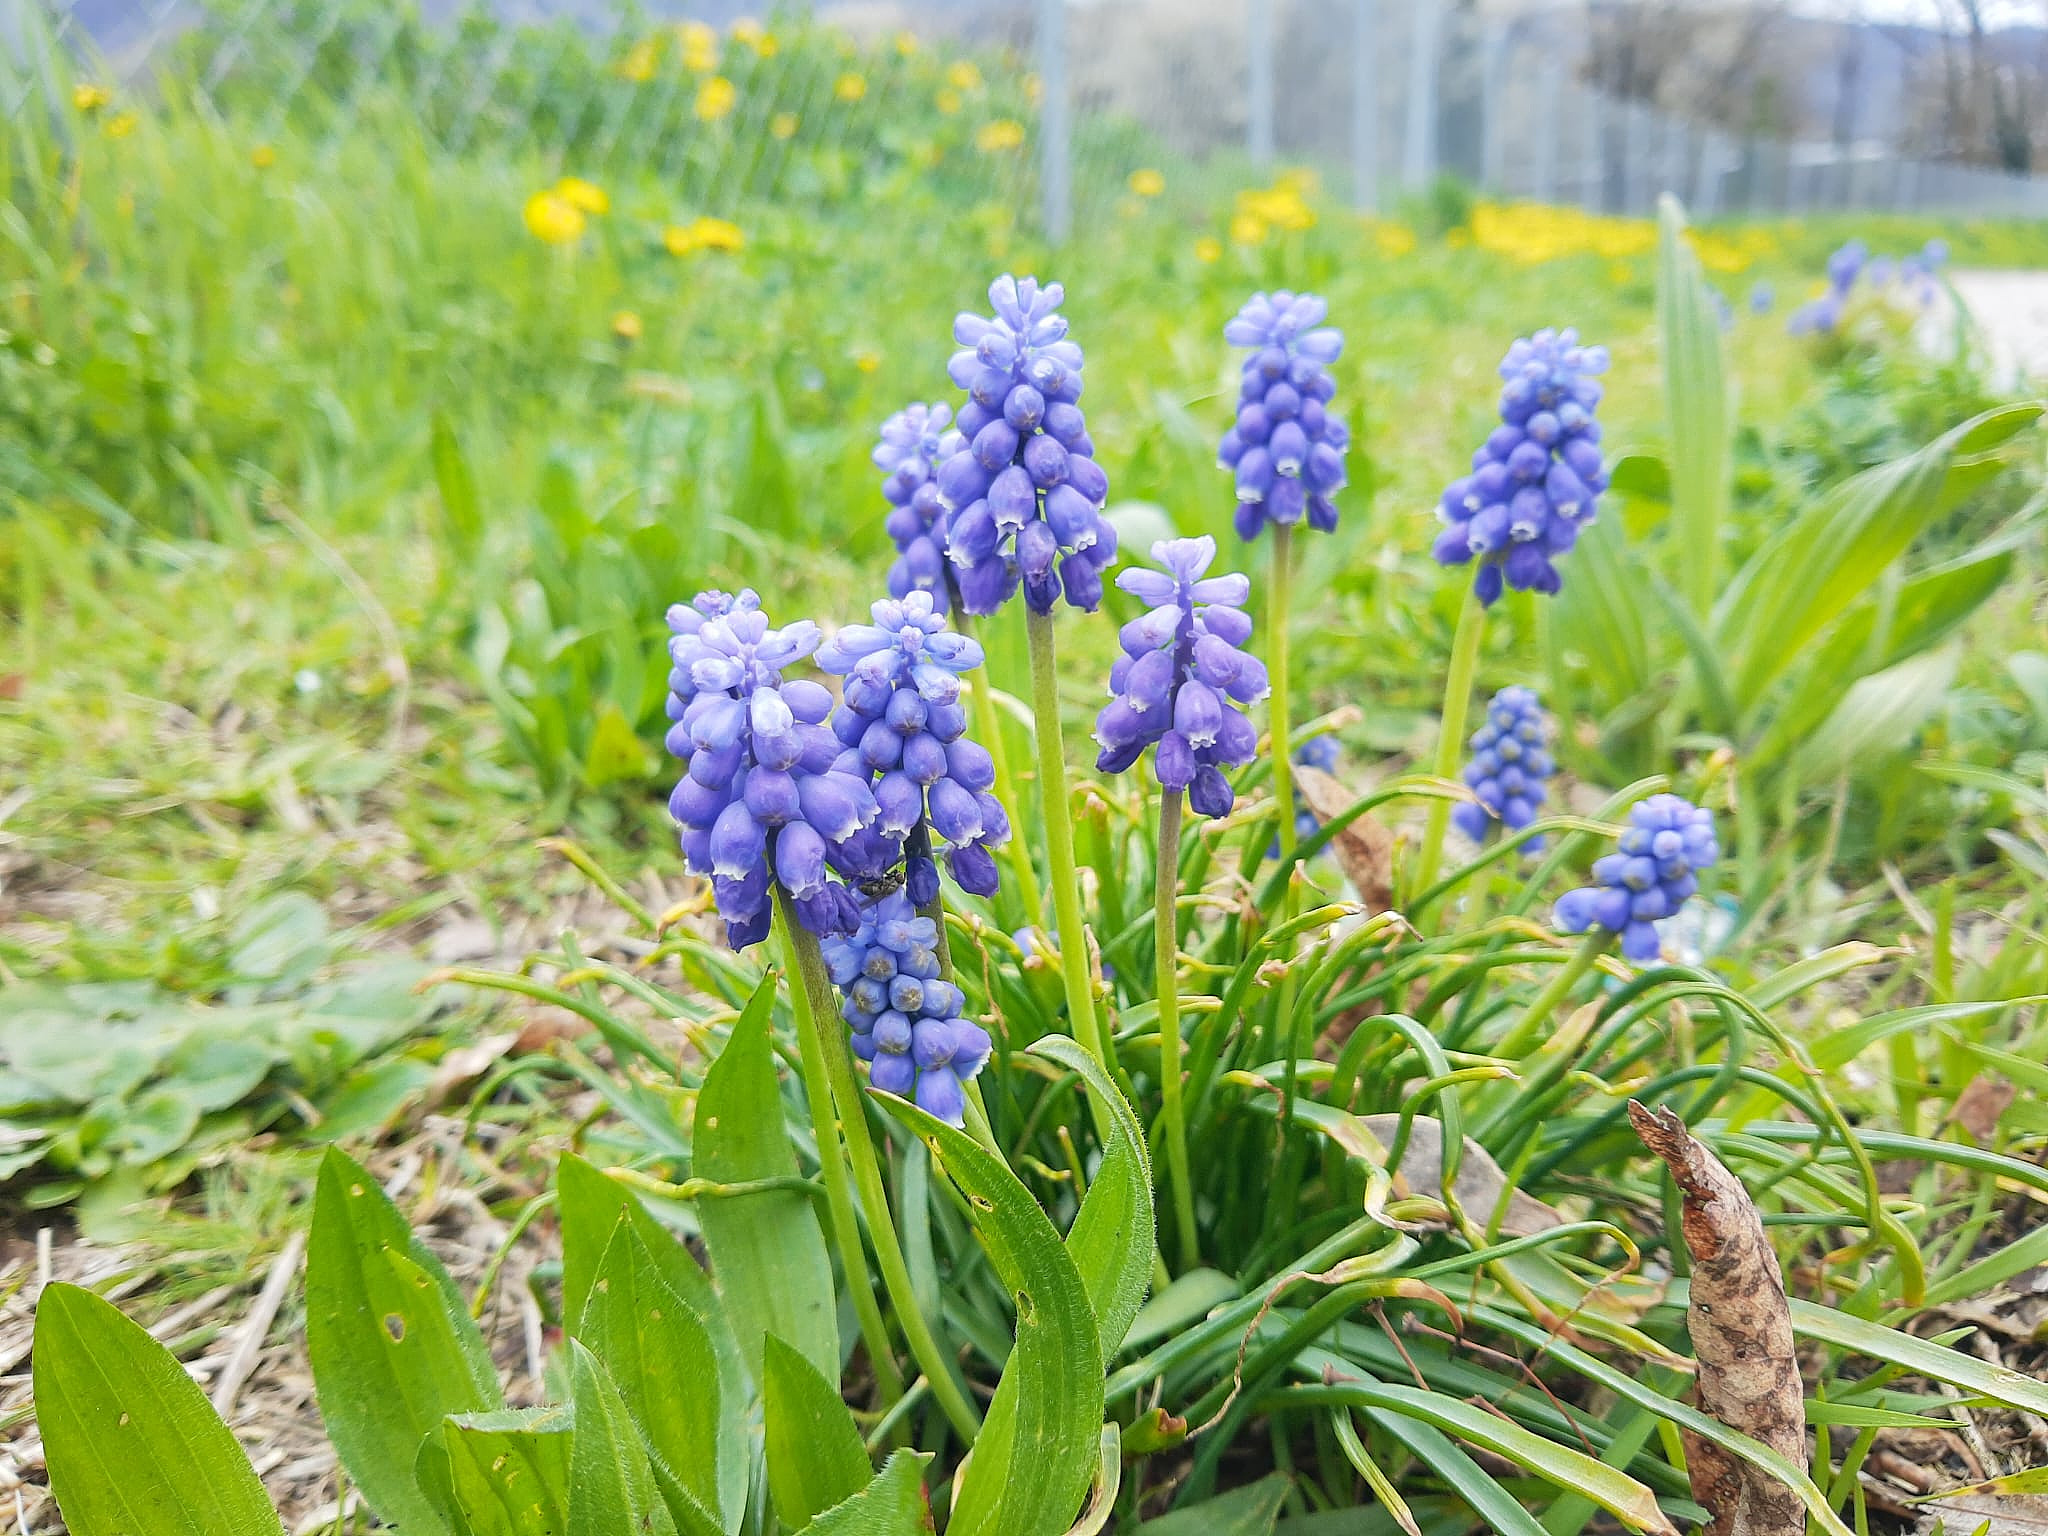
1286,446
766,786
1649,878
1023,493
900,720
1182,675
1319,752
1852,261
1510,764
1535,480
915,442
907,1021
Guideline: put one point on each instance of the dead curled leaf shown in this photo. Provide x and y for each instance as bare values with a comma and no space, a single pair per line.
1479,1182
1364,849
1741,1327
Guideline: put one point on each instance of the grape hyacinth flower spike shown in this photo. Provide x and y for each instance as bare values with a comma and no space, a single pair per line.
1183,675
1536,478
1286,447
1509,767
1320,753
1648,878
1023,493
900,719
915,442
765,794
907,1022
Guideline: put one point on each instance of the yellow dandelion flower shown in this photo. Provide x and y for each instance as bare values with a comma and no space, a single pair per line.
947,101
626,325
906,44
715,99
766,45
850,86
263,157
699,46
678,240
717,235
1532,233
1208,249
1393,239
639,63
1620,272
120,125
747,31
783,125
1247,229
1005,133
867,360
587,196
87,97
963,75
1147,182
552,219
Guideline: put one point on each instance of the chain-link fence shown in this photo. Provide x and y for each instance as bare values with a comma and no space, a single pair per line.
1064,102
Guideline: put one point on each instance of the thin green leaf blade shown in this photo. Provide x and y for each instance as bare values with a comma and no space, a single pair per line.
816,1457
133,1447
1695,405
1252,1510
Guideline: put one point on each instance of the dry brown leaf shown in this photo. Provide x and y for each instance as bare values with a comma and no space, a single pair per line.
466,1063
1477,1186
1364,849
1741,1329
1980,1106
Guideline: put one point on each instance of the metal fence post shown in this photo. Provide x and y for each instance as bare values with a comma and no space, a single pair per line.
1548,128
1418,151
1493,78
1259,55
1365,104
1055,141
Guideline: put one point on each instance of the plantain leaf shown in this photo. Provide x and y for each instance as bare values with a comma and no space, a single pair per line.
457,486
1695,405
133,1447
611,1483
507,1474
1036,1453
1880,715
893,1504
392,1345
816,1458
768,1255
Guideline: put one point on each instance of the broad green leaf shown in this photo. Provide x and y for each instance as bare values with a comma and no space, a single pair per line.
659,1356
457,486
892,1505
1248,1511
611,1484
507,1473
1035,1455
1695,405
816,1457
134,1448
1880,715
1112,1238
392,1345
768,1254
617,755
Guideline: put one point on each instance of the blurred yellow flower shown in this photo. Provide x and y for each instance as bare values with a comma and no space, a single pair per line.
700,47
1034,90
1247,229
120,125
1532,233
626,325
850,86
583,195
906,43
1458,238
1147,182
1004,133
639,63
87,97
948,100
963,75
867,360
1208,248
553,219
1280,206
783,125
1620,272
752,34
263,157
715,98
1393,239
705,234
1735,251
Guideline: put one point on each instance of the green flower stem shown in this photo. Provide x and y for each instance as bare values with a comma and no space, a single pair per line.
1277,704
830,1082
1451,736
1059,835
1529,1027
832,1169
1166,945
982,689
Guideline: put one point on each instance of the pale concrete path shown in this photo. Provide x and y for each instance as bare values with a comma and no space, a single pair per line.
2009,314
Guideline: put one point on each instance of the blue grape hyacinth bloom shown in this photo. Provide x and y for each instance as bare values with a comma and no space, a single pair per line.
765,791
900,716
1509,768
1182,676
1024,494
907,1021
915,442
1320,753
1650,876
1536,479
1286,447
